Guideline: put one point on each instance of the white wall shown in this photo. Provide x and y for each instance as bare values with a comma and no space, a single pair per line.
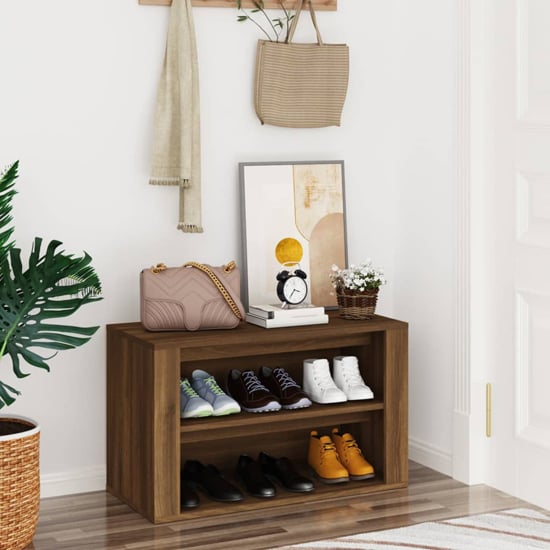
425,264
76,102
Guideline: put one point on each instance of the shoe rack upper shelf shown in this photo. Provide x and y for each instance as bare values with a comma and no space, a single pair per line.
326,5
249,340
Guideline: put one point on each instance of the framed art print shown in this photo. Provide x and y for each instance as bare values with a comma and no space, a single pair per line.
293,216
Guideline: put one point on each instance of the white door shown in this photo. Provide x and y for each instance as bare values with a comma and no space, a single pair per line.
516,242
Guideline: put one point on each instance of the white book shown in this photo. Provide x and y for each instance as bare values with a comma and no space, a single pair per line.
288,321
276,311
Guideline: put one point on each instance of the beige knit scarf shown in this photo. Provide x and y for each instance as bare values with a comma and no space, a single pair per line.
176,141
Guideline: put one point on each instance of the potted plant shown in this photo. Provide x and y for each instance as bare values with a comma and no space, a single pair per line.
52,285
357,289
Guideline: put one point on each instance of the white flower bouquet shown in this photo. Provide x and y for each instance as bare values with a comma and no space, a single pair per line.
360,278
357,289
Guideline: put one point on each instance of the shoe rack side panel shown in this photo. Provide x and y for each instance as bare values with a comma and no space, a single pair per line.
143,425
128,449
396,405
166,437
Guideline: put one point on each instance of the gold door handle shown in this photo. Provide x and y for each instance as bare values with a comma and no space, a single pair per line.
488,409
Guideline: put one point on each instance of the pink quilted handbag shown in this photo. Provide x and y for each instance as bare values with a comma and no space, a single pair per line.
192,297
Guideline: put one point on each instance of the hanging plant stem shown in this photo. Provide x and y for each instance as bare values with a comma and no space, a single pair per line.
260,7
276,25
248,18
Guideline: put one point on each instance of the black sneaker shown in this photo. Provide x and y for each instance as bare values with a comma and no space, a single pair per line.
251,394
290,394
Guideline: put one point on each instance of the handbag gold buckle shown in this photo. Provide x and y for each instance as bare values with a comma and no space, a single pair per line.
229,267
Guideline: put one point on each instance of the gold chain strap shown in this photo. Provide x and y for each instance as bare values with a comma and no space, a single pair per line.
228,268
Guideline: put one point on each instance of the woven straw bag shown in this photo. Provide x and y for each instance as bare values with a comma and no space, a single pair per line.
301,85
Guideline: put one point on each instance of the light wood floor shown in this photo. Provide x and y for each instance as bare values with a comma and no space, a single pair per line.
99,521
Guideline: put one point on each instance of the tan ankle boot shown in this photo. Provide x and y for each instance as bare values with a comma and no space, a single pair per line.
351,456
323,458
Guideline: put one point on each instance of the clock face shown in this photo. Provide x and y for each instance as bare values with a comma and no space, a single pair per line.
294,290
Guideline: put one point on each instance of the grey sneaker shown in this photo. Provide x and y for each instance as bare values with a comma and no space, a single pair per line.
191,405
207,387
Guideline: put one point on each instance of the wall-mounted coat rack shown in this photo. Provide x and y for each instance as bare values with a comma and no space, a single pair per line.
327,5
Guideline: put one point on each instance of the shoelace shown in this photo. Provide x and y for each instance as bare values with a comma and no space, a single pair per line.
328,448
188,389
284,379
213,385
352,375
252,382
324,381
351,445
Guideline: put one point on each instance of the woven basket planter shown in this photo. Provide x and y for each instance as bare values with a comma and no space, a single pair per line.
356,305
19,481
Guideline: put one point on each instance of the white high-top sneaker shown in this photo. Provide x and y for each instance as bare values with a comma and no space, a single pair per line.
318,383
345,369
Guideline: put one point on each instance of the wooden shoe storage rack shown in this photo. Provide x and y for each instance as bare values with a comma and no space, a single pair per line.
147,442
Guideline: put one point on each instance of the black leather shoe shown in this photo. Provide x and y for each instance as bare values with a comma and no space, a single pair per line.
283,471
188,497
253,478
209,479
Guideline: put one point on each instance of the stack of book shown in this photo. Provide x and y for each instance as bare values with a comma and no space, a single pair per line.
275,315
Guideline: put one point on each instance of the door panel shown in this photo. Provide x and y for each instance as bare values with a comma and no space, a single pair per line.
518,245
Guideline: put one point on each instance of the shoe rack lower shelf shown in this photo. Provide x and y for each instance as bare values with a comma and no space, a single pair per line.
289,500
147,442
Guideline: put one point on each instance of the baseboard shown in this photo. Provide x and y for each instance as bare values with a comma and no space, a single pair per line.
430,456
84,480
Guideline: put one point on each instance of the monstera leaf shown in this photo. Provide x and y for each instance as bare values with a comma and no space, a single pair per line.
53,285
7,192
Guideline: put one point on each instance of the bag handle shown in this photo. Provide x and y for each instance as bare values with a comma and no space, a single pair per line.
228,268
294,23
223,291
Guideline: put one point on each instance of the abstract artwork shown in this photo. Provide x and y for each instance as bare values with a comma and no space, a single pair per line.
293,216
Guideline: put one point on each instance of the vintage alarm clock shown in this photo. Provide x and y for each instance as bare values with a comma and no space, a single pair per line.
292,287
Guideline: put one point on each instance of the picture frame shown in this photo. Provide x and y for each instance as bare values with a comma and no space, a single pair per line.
289,210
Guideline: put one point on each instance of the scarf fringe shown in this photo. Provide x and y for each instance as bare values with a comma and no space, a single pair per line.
190,228
181,182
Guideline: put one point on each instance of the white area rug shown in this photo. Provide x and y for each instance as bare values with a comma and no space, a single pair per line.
518,529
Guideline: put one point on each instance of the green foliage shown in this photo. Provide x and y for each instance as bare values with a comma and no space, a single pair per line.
53,285
275,29
7,192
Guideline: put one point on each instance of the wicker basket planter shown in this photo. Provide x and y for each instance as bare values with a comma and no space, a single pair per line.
19,481
353,304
